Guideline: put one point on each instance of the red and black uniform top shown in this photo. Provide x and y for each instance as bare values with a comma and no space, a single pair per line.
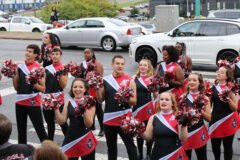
27,95
113,110
237,79
47,50
52,83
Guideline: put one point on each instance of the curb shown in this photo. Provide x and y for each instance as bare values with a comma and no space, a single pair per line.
21,35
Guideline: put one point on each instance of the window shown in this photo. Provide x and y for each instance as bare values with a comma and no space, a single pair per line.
233,15
118,22
16,20
94,24
219,14
25,20
213,29
189,29
232,29
78,24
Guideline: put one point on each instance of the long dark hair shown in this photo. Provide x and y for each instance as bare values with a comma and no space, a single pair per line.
183,52
85,85
172,52
229,74
92,51
53,40
201,86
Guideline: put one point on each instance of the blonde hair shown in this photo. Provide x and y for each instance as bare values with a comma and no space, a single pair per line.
150,68
49,151
173,99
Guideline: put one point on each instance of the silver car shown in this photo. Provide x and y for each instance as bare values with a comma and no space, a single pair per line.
107,33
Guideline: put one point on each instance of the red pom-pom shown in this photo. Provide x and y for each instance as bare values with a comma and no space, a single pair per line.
236,60
223,62
208,89
94,80
35,76
83,104
156,83
68,68
132,126
200,102
91,67
47,53
168,76
9,69
77,71
123,94
51,101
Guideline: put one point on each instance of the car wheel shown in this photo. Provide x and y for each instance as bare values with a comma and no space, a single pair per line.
108,44
229,55
147,53
3,29
36,30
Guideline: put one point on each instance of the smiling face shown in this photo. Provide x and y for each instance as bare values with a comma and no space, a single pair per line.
193,82
88,54
165,102
56,57
143,67
166,57
78,89
118,66
221,74
29,55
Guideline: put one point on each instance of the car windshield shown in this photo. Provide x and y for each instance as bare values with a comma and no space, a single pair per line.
148,26
36,20
118,22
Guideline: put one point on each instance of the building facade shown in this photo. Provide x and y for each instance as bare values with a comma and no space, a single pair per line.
206,5
7,5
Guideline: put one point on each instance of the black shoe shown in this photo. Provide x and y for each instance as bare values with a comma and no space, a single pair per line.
140,157
101,133
147,158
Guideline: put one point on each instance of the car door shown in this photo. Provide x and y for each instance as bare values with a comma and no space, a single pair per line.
16,24
72,33
210,41
26,25
92,31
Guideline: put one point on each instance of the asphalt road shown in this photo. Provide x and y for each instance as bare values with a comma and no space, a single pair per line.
15,49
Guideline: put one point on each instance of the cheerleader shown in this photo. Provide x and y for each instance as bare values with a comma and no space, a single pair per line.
170,57
166,131
144,108
198,133
49,42
236,67
225,120
79,140
89,56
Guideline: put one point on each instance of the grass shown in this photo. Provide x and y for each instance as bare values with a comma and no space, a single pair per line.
127,4
38,14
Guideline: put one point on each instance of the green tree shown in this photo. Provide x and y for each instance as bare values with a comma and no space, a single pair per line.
75,9
134,11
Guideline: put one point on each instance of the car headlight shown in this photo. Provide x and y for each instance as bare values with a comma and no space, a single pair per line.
134,41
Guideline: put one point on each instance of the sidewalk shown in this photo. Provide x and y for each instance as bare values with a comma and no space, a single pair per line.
21,35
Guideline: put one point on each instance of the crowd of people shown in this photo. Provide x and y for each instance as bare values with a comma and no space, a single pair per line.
166,136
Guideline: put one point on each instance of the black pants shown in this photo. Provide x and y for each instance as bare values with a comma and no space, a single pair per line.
200,152
35,115
140,142
111,133
227,145
99,112
50,119
90,156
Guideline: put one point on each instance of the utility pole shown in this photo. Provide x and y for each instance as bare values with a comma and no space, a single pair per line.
197,8
34,8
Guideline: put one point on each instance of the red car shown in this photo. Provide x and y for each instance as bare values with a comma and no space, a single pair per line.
122,10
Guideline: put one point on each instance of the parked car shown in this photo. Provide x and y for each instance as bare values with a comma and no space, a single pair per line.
149,27
25,24
62,23
145,27
133,15
141,18
206,41
121,10
123,18
225,13
107,33
3,20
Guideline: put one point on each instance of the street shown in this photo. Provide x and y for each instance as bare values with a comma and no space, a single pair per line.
15,50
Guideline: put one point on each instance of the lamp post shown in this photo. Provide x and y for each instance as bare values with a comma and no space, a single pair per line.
197,8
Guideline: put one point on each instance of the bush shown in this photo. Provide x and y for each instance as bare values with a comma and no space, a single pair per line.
75,9
134,11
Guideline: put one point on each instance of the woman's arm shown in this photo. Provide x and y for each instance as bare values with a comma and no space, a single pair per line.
88,116
100,92
63,81
206,113
182,132
99,68
179,78
233,102
148,133
62,117
189,64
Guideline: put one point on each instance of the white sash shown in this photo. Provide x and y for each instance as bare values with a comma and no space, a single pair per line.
24,68
142,82
190,98
238,64
164,121
84,64
163,64
111,80
51,69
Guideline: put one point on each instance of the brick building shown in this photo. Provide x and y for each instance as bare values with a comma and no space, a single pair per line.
206,5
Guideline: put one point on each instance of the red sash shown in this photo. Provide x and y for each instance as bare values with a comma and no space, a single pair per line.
178,154
114,118
144,112
196,138
29,99
80,147
226,126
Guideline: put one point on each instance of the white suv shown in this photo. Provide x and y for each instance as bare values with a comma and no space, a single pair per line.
206,41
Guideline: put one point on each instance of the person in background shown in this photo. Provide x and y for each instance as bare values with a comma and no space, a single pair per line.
144,107
49,42
198,133
8,150
225,120
90,57
164,129
236,67
54,16
54,86
28,98
79,140
49,150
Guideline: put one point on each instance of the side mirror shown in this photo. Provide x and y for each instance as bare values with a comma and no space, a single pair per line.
27,22
67,27
174,33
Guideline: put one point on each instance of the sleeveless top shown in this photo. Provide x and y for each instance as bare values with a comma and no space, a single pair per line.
237,79
113,110
79,140
45,49
26,94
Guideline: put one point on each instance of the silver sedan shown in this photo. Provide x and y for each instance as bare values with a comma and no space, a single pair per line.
107,33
